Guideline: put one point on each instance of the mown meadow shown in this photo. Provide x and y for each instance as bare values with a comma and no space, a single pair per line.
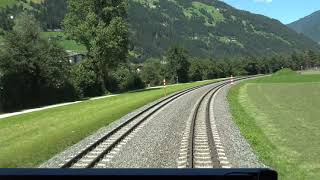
279,115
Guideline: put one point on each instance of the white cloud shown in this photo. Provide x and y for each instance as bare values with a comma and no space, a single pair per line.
263,1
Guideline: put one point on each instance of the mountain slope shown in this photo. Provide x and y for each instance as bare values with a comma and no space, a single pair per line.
309,26
207,28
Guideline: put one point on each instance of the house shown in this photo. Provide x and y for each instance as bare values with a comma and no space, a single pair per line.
139,68
75,57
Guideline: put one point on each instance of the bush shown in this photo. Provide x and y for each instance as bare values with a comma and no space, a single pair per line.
85,80
134,82
126,79
152,72
196,70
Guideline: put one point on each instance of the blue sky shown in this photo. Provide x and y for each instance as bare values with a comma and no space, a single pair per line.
285,11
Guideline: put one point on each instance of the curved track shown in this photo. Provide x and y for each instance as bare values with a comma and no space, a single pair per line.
95,155
201,146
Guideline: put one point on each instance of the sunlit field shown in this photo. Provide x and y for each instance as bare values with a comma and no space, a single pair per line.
279,115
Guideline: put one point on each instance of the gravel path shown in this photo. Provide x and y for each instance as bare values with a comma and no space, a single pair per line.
238,150
2,116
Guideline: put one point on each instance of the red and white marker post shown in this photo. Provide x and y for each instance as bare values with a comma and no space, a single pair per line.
231,80
164,87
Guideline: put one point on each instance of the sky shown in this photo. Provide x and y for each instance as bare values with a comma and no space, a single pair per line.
286,11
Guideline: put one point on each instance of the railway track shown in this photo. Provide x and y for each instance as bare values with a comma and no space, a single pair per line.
98,153
201,146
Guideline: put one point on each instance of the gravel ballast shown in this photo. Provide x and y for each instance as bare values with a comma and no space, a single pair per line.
238,150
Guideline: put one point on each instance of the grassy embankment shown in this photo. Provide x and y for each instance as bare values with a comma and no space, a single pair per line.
64,42
279,115
30,139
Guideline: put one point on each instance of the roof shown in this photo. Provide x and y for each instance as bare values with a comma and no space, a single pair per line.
72,53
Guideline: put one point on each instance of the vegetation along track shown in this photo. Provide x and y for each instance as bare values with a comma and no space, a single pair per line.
201,146
96,154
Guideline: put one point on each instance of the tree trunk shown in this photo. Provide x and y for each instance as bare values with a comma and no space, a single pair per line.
102,82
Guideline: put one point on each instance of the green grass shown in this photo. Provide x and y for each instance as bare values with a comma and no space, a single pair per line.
279,115
212,13
30,139
64,42
4,3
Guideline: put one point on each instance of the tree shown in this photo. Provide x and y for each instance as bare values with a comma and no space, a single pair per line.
34,71
100,25
151,73
196,70
50,13
85,80
178,63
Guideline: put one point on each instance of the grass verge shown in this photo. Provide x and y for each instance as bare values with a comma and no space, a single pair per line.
278,115
30,139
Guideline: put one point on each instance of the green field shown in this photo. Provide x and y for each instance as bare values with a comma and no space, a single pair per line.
4,3
279,115
30,139
64,42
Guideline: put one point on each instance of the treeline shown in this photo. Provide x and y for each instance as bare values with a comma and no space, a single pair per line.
178,66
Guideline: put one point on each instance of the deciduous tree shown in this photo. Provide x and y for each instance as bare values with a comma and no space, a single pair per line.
101,26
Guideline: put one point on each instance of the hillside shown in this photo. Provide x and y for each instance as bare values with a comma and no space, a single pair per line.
309,26
208,28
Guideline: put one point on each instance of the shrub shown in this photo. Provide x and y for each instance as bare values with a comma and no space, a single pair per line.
127,79
85,80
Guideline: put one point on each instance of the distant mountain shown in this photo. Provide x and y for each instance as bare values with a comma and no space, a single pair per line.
208,28
309,26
